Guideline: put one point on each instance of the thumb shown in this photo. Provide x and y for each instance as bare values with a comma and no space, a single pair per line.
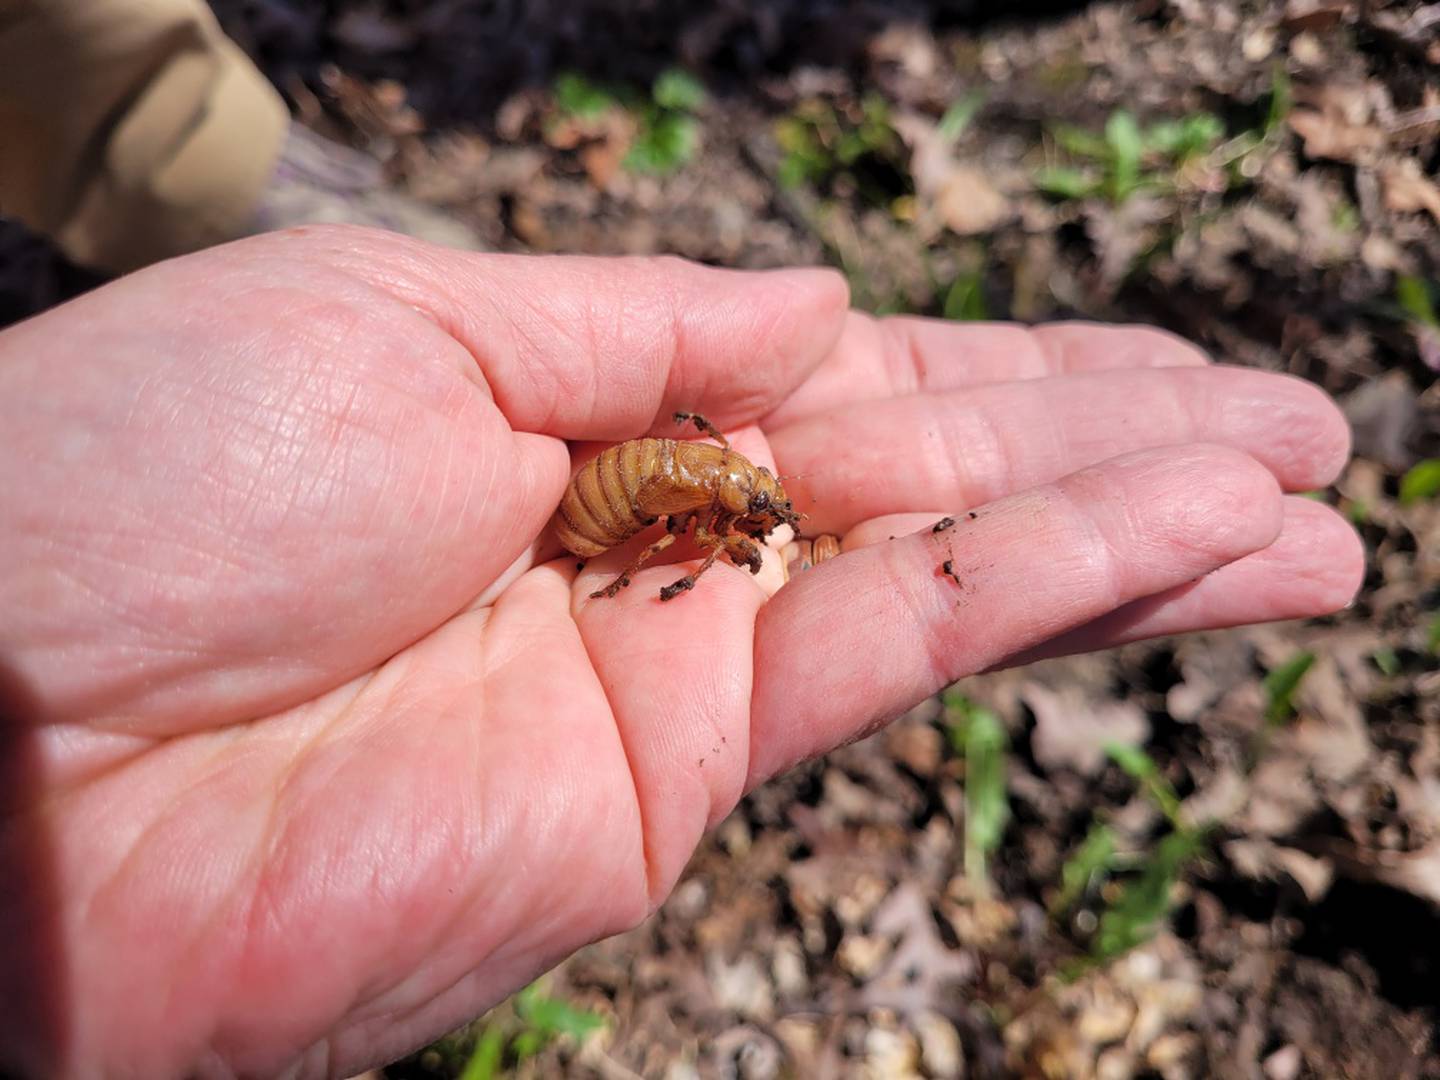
608,348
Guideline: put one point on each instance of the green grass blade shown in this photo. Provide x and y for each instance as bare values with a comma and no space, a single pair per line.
1413,295
1145,899
965,299
1385,659
1086,868
1422,481
1066,183
484,1062
666,142
985,779
979,736
959,116
578,96
1142,768
549,1016
1127,149
678,90
1186,138
1081,143
1280,686
1282,97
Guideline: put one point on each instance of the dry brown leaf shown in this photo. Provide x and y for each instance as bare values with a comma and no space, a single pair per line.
1408,190
914,978
1417,873
1123,233
1311,873
950,194
1331,731
1384,416
969,204
1281,797
1218,799
1263,860
1071,730
602,161
1328,135
1316,14
910,47
1415,30
1416,127
451,169
1211,667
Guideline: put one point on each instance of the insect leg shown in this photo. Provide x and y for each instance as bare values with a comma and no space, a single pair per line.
743,552
704,425
669,592
678,523
625,575
707,537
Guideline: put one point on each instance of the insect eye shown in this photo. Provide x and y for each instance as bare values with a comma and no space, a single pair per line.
759,501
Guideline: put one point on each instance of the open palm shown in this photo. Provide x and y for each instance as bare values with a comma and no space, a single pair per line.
315,746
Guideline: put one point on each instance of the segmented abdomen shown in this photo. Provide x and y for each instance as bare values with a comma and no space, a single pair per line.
598,510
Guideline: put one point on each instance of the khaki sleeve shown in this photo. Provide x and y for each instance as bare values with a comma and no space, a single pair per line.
130,130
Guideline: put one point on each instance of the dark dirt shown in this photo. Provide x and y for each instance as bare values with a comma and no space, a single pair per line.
828,928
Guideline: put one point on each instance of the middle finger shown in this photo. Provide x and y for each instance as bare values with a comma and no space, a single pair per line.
951,451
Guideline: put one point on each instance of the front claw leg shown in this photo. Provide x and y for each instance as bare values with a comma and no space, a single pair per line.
744,553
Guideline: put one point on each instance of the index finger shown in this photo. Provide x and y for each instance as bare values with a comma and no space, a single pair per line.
901,355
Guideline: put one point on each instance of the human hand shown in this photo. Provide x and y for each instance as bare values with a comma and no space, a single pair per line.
315,747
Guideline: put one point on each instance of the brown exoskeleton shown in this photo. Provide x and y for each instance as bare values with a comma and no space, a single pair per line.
632,485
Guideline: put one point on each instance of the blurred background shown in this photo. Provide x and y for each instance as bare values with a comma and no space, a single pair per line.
1216,856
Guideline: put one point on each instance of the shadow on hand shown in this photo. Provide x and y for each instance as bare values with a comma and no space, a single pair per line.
34,1025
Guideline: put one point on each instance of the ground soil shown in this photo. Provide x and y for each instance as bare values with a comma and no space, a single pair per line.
828,928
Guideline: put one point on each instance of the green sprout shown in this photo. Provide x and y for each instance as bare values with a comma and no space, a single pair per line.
1125,158
667,133
1280,687
1414,297
821,144
1282,99
978,736
1141,768
1421,481
577,96
960,115
484,1062
1145,900
1085,869
965,299
530,1023
1357,512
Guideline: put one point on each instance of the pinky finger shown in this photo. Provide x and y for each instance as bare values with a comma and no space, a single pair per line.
1313,568
863,637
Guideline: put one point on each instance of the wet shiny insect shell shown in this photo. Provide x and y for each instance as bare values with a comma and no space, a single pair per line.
629,487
